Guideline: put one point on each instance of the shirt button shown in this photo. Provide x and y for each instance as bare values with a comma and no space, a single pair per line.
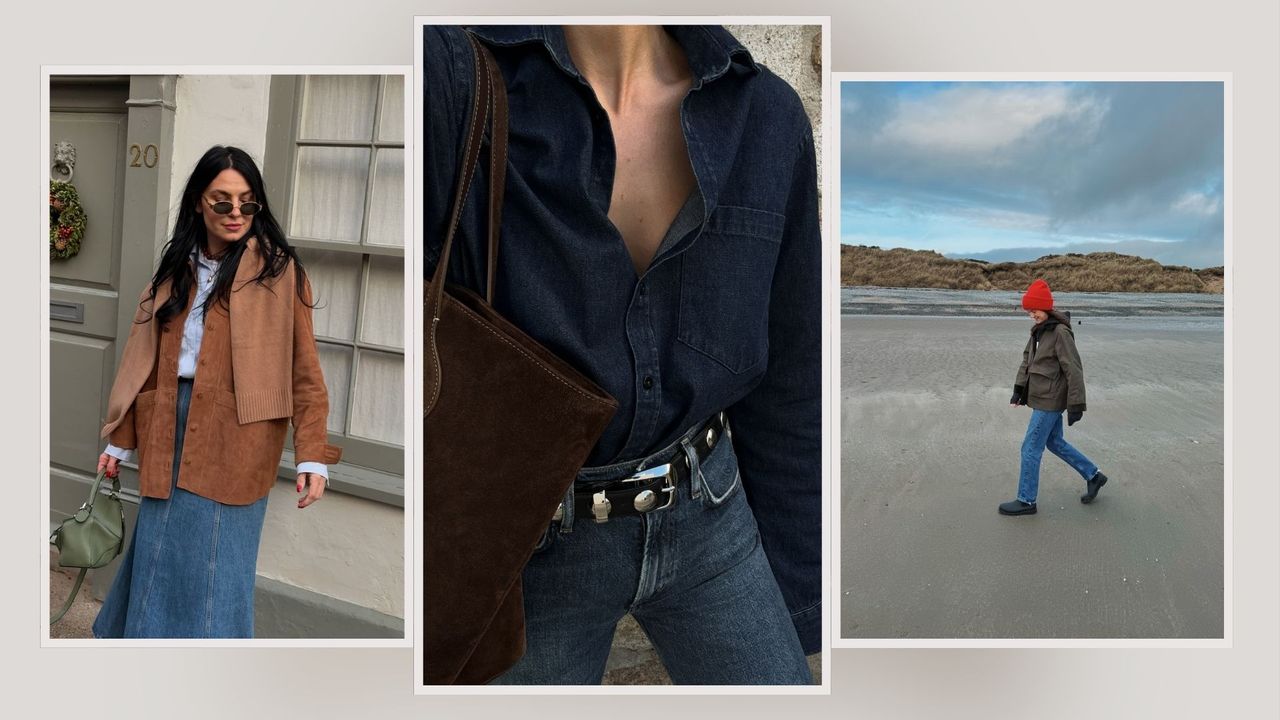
200,395
648,382
186,461
641,291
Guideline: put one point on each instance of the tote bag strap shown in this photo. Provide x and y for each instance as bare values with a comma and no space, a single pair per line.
488,109
497,163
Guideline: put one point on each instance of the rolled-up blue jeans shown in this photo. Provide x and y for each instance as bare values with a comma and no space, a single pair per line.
694,576
1044,430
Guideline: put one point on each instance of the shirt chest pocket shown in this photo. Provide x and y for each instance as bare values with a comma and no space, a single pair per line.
725,278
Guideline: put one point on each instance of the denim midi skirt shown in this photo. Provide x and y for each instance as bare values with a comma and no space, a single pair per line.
190,567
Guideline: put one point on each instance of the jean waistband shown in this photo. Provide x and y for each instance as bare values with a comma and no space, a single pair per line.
626,468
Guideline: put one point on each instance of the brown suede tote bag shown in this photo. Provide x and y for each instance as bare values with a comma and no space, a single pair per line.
507,426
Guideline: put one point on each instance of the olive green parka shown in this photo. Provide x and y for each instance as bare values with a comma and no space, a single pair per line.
1051,376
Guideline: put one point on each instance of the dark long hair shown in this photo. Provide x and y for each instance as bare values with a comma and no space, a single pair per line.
189,234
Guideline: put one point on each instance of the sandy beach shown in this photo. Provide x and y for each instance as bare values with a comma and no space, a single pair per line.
930,447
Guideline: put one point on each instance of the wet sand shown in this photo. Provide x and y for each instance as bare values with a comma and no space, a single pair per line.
930,447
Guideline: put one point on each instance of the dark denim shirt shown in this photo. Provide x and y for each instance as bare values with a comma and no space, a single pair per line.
728,314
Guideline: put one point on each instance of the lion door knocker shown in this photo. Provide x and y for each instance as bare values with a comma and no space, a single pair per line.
66,217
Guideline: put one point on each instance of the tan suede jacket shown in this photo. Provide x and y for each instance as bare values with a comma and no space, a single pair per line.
258,367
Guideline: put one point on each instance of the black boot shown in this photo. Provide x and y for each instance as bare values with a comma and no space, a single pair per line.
1094,486
1017,507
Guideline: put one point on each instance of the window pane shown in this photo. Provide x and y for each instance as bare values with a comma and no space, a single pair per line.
335,363
386,207
335,284
377,413
328,201
384,303
391,125
338,107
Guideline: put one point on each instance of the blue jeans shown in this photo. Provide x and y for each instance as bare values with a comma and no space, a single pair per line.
191,564
694,576
1045,431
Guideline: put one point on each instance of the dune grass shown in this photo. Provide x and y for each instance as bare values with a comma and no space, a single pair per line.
1095,272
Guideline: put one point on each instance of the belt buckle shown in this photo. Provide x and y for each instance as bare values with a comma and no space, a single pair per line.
663,471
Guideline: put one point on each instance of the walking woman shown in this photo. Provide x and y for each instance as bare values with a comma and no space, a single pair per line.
1050,380
220,357
660,233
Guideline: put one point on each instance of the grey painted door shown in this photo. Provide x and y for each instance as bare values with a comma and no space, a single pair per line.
84,292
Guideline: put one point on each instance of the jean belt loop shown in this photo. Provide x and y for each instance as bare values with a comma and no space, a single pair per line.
695,470
566,505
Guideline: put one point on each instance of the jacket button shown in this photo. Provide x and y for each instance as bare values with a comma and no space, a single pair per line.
186,461
200,395
648,382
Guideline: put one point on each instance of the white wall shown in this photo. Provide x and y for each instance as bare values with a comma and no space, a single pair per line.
342,546
215,110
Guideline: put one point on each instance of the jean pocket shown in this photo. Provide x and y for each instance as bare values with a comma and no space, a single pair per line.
546,539
718,475
724,287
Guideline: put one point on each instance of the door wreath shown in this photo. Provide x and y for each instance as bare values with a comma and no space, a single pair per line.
66,220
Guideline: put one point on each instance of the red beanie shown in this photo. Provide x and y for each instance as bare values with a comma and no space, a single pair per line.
1037,296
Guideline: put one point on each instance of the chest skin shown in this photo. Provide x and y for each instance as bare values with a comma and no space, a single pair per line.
653,176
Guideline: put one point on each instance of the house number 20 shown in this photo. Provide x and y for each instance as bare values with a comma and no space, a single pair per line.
141,156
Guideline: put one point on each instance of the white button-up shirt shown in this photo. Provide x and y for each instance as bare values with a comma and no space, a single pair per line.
192,334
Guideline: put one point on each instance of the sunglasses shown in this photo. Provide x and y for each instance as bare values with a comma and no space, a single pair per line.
224,207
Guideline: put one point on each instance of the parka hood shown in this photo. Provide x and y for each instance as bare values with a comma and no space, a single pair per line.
1056,317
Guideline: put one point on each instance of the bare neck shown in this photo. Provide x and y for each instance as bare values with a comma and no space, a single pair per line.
619,60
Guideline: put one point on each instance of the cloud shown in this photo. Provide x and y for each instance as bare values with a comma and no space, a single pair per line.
1101,161
1198,203
979,121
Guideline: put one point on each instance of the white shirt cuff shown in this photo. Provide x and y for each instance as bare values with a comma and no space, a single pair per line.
314,467
120,454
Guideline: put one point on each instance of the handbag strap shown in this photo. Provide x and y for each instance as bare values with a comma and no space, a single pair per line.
488,110
97,485
71,599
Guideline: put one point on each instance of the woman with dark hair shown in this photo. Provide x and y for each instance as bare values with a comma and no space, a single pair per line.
220,356
660,233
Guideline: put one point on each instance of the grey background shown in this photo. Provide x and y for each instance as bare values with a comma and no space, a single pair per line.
871,35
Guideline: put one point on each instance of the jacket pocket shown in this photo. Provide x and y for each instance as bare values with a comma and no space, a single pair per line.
144,406
1047,386
725,277
246,457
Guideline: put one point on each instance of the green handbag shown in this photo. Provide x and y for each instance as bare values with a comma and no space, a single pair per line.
92,537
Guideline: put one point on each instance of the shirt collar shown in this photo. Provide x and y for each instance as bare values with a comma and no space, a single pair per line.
204,261
711,50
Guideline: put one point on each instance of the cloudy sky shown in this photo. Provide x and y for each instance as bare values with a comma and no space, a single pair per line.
1013,171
